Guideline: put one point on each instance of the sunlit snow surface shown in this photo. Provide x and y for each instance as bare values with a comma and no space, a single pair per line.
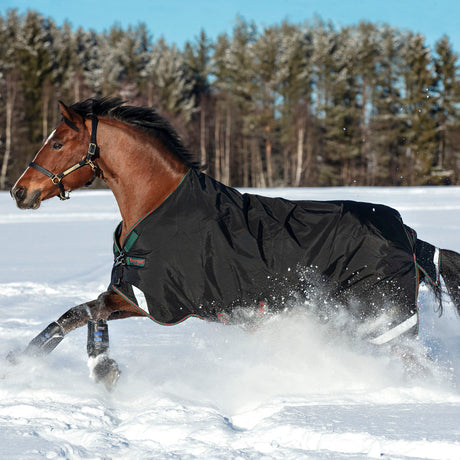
203,390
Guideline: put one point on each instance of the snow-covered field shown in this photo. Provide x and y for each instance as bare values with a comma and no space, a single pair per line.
202,390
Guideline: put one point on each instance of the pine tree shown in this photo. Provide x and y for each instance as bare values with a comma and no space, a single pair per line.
241,85
170,84
35,64
447,91
296,79
232,68
198,60
420,132
368,54
386,124
338,108
294,104
90,74
126,53
9,77
264,97
64,70
222,101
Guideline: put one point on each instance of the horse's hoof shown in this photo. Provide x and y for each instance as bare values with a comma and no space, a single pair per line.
12,358
415,364
106,371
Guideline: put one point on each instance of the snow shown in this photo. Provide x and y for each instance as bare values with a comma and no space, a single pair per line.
289,390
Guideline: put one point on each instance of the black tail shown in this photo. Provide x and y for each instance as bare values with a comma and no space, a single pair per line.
450,272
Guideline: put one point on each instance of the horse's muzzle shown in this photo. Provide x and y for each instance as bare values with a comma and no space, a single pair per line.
25,200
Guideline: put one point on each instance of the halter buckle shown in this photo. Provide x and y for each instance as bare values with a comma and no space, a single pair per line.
92,148
90,163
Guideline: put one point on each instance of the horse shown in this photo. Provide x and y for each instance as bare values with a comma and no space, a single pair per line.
189,245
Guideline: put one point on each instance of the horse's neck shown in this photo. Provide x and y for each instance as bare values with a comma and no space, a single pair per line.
137,196
140,174
133,206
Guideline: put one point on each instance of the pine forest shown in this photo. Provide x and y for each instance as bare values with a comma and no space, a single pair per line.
305,104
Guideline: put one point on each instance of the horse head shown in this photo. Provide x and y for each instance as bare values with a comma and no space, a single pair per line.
63,163
140,153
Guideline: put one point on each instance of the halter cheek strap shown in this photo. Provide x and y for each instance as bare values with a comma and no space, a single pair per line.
91,155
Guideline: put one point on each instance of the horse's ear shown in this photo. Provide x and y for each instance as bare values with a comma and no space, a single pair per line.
70,115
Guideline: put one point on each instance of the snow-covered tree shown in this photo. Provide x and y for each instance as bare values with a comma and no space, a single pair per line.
291,104
197,57
9,81
295,79
447,92
169,83
420,126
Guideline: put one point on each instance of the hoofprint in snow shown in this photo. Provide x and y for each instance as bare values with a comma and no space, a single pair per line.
203,390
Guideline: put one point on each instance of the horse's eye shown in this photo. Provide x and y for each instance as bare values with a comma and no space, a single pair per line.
56,146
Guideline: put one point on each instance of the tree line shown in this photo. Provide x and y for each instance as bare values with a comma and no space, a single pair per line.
290,105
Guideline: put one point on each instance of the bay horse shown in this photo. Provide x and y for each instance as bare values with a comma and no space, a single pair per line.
189,245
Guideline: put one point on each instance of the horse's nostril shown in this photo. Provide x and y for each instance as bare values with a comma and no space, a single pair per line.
19,193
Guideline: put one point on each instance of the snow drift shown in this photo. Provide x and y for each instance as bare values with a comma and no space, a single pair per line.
293,388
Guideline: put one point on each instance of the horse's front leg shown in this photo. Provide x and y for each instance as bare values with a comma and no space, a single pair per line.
95,313
48,339
108,306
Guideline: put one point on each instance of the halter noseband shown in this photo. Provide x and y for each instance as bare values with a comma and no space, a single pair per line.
91,155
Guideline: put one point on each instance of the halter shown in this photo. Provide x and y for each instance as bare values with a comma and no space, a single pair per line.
91,155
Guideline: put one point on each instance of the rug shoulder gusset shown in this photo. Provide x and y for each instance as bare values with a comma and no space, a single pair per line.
126,291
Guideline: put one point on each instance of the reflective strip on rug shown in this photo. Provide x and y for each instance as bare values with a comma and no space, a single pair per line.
140,298
436,259
396,331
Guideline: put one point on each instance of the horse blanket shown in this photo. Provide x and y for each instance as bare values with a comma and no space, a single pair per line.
208,250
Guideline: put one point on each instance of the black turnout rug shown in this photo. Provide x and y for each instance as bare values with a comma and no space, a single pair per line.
209,250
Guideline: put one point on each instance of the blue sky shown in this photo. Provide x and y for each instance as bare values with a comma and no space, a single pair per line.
181,20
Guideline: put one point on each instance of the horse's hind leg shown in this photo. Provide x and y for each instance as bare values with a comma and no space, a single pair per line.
444,262
450,271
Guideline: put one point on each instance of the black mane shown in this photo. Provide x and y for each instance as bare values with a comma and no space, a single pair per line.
145,118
